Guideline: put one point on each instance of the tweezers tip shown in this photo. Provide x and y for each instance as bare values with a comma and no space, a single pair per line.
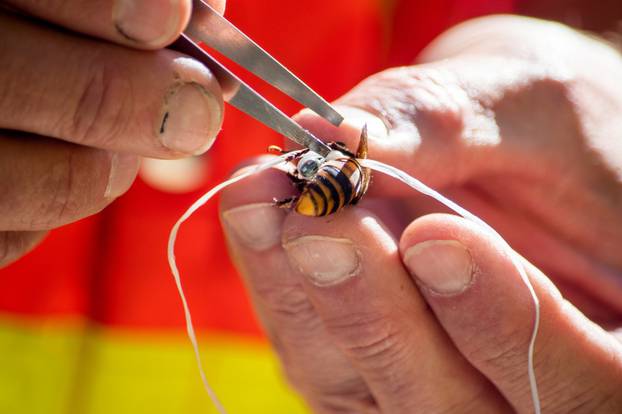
334,118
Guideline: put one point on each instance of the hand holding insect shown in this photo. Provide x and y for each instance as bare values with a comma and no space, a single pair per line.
371,311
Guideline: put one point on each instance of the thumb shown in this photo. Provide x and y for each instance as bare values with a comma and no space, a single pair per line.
476,293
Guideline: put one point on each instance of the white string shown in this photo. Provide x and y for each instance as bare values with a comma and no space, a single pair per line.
424,189
173,264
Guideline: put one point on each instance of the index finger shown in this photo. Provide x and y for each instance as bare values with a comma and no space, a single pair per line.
451,122
143,24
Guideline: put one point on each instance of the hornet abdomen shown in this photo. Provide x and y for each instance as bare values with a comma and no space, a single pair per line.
328,184
338,183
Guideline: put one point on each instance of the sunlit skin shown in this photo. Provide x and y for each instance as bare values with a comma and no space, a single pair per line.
516,119
72,134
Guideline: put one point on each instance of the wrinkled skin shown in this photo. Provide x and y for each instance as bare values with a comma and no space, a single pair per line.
388,308
77,113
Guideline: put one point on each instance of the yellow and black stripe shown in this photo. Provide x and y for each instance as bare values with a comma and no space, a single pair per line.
338,183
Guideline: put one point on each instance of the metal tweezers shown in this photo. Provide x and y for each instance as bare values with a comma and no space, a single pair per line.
210,28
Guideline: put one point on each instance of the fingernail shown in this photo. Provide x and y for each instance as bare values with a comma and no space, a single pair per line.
123,170
150,22
443,266
323,260
257,226
191,119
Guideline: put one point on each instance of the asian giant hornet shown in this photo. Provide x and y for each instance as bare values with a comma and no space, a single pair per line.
327,185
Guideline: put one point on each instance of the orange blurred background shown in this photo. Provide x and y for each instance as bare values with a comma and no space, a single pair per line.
91,322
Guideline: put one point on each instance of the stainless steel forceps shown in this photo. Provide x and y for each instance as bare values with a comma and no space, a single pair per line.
208,27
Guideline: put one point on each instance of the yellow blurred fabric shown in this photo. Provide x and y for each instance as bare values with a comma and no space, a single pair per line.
69,368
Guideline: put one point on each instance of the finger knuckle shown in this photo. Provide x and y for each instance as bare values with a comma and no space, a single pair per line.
288,302
504,353
6,247
74,188
14,244
104,107
441,103
368,337
418,99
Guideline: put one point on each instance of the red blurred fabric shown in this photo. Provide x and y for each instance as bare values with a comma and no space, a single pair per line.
112,267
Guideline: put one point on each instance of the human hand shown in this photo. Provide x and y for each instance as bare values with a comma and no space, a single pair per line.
77,112
372,312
